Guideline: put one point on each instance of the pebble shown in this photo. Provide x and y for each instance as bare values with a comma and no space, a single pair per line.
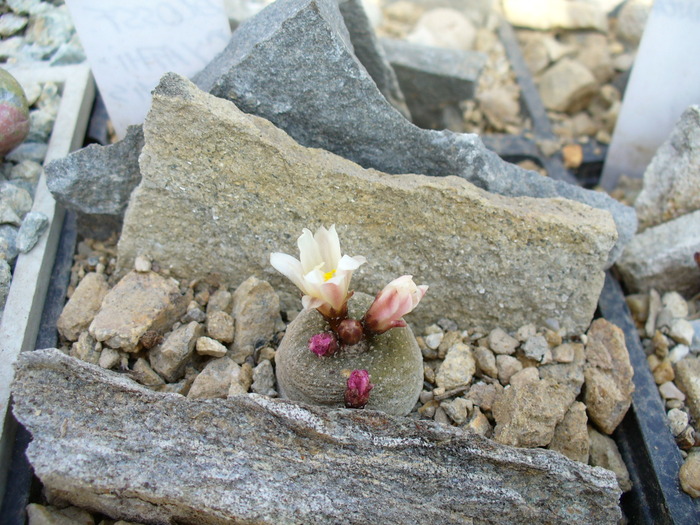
263,379
17,198
194,313
653,312
449,339
457,409
445,28
690,474
219,301
525,376
85,349
457,369
8,243
507,367
8,215
142,264
82,306
425,396
33,227
33,151
441,417
171,357
536,348
675,304
486,361
484,395
48,515
679,352
109,358
214,381
220,327
678,420
604,453
664,372
5,280
525,332
433,341
563,353
27,170
501,343
428,374
669,390
211,347
682,331
479,423
144,374
448,325
11,23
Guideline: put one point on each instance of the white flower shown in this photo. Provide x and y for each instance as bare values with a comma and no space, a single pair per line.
398,298
322,274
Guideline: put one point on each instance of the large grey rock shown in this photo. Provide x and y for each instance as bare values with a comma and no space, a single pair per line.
293,65
103,442
661,257
370,53
672,179
432,78
489,260
98,180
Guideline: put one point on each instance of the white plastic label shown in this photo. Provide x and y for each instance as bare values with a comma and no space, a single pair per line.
664,82
130,44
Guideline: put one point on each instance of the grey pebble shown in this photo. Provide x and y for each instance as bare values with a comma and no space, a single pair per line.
33,226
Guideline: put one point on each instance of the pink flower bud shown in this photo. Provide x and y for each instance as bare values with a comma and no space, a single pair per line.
398,298
350,331
324,344
358,389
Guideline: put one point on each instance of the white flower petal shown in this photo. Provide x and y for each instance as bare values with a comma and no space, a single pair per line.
289,267
329,247
348,263
309,253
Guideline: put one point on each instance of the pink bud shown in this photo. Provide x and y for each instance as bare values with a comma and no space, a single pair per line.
358,389
324,344
350,331
398,298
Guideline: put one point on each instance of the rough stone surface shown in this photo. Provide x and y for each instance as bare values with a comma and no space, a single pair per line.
371,54
220,326
672,179
571,434
180,214
33,226
211,347
214,381
520,420
608,374
567,86
278,66
98,180
457,369
393,361
661,257
256,309
688,380
82,306
171,356
604,453
432,78
138,302
214,460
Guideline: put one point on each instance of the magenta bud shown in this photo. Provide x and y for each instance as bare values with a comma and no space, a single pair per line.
324,344
358,389
350,331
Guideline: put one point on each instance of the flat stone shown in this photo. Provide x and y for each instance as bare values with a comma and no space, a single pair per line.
256,310
608,374
604,453
82,306
555,14
214,380
432,78
138,302
661,257
561,250
252,442
571,434
672,179
171,356
520,420
688,380
328,101
97,180
567,86
457,369
33,227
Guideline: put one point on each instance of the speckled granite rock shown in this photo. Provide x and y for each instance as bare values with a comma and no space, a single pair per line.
219,460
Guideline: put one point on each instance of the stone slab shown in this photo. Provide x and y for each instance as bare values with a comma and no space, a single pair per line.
661,257
293,64
221,190
103,442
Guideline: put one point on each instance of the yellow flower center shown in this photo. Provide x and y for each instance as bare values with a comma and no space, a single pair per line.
328,275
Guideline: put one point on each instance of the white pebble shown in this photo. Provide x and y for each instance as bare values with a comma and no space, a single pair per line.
678,420
669,390
678,353
682,331
142,264
434,340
